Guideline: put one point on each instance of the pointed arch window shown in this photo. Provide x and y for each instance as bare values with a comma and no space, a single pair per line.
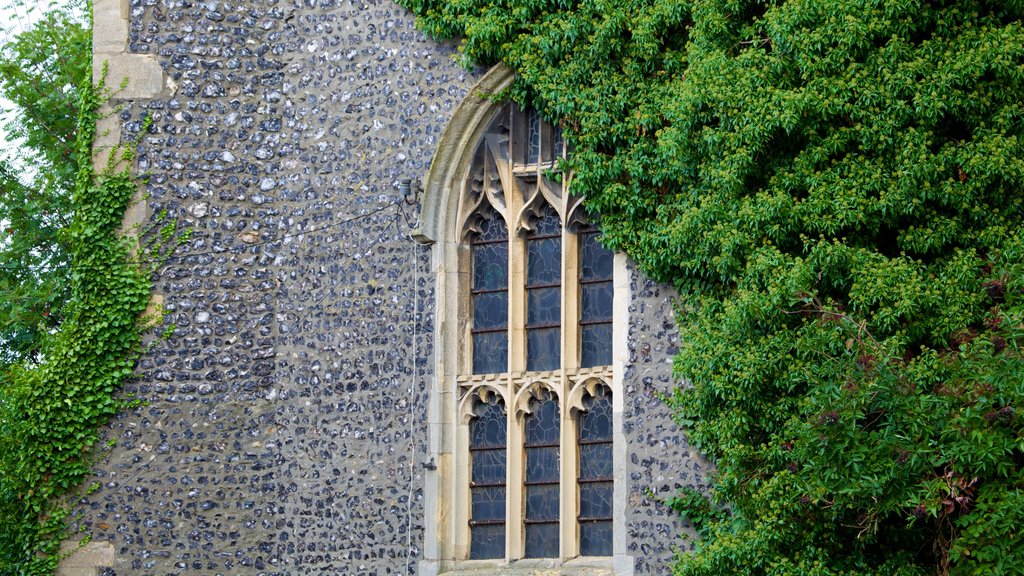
490,297
544,292
543,494
535,363
488,464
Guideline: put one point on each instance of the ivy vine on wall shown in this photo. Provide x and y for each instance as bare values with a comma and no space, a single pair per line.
51,409
835,188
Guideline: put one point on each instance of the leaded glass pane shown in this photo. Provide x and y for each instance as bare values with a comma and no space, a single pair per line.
596,538
596,261
596,345
547,223
542,424
596,293
542,502
559,139
489,466
595,473
490,266
488,503
596,417
491,230
542,464
544,307
533,136
487,541
487,440
490,310
543,349
542,540
544,261
596,303
595,500
490,297
489,428
542,436
490,352
543,292
595,461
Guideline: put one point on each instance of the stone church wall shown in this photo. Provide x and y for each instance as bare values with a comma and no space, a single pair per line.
282,423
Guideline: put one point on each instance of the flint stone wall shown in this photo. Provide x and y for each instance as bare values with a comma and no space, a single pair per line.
283,418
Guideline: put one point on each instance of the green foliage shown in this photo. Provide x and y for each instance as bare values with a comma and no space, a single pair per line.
40,71
834,186
50,409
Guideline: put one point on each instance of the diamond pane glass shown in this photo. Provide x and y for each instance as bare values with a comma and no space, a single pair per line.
542,540
596,538
543,349
490,352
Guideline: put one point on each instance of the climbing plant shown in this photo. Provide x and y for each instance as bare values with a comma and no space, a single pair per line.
51,406
834,187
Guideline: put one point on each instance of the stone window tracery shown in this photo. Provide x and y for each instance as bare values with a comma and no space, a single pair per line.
535,307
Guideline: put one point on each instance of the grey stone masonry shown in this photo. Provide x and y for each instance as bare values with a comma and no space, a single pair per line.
281,427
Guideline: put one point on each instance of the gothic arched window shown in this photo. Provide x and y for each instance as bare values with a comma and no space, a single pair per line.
534,374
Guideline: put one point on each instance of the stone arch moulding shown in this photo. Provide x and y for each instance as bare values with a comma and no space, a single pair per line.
443,217
451,162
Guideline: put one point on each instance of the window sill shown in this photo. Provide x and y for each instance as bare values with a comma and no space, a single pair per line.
596,566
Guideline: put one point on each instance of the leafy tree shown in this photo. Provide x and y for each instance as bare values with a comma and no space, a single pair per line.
835,188
41,69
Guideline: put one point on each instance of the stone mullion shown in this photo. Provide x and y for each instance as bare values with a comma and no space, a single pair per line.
569,504
570,361
514,537
460,493
516,460
570,302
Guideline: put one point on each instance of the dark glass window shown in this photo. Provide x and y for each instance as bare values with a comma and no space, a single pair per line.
542,502
543,293
559,145
595,301
490,297
595,474
533,136
487,439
